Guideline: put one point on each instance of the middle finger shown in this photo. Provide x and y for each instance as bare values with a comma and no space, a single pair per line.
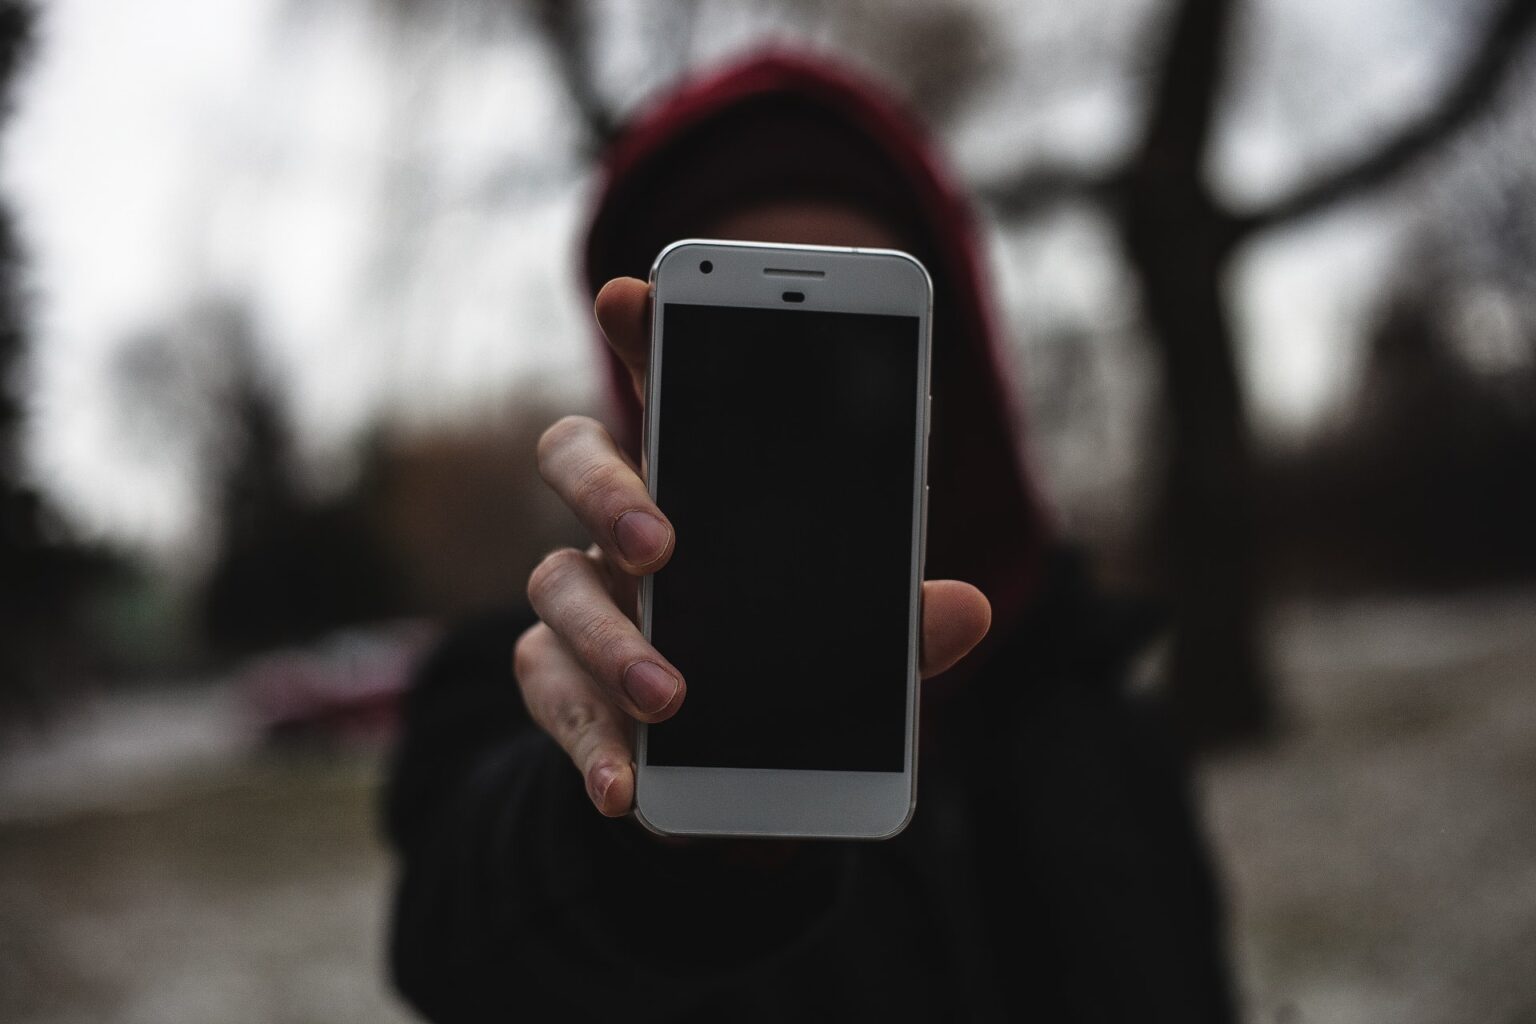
579,459
569,595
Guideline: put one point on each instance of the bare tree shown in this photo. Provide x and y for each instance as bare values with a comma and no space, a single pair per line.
1180,240
569,38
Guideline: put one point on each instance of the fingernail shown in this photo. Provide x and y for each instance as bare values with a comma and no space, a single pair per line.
602,779
650,686
641,536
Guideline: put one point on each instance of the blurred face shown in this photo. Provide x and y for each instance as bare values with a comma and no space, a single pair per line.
806,222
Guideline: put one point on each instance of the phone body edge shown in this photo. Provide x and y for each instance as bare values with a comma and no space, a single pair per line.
648,459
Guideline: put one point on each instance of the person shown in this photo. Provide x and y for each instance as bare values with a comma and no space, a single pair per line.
1053,870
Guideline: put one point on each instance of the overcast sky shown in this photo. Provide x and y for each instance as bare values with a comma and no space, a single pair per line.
388,205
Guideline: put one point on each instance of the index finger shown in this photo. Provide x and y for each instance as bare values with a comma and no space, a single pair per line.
622,308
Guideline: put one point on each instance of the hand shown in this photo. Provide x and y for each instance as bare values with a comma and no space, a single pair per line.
586,672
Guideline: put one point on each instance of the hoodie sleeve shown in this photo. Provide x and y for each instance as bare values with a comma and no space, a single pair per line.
512,886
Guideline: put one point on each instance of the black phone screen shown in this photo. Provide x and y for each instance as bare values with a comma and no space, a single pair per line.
786,459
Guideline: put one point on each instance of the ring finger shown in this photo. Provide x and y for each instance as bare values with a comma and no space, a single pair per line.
569,595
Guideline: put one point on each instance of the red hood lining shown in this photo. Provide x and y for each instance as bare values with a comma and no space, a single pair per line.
777,124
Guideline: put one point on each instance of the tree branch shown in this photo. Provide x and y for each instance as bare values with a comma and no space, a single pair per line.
1185,95
1502,41
1173,140
565,31
1034,189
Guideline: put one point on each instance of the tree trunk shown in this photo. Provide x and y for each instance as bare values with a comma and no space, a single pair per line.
1179,241
1218,682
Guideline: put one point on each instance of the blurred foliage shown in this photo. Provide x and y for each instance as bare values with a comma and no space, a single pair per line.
43,576
1430,482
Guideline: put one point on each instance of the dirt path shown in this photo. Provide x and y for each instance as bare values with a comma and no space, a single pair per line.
256,895
1381,857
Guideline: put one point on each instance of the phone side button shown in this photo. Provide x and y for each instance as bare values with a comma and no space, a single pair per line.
922,554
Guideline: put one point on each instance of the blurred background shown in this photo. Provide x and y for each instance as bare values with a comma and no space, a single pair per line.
289,289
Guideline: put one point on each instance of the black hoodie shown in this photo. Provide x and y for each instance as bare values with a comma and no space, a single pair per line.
1053,870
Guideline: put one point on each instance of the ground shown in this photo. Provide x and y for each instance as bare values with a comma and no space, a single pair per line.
1380,856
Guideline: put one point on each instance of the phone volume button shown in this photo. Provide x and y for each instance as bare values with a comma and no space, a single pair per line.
922,556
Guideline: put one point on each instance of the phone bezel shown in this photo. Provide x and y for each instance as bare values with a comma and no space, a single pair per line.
782,803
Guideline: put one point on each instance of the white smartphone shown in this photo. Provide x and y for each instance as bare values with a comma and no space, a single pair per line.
786,436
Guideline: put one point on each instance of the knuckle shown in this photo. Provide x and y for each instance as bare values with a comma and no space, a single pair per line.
574,719
551,571
605,641
526,652
600,484
560,434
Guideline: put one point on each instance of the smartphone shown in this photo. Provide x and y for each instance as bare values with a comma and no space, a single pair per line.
785,437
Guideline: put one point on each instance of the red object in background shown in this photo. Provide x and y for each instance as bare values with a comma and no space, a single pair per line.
346,688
